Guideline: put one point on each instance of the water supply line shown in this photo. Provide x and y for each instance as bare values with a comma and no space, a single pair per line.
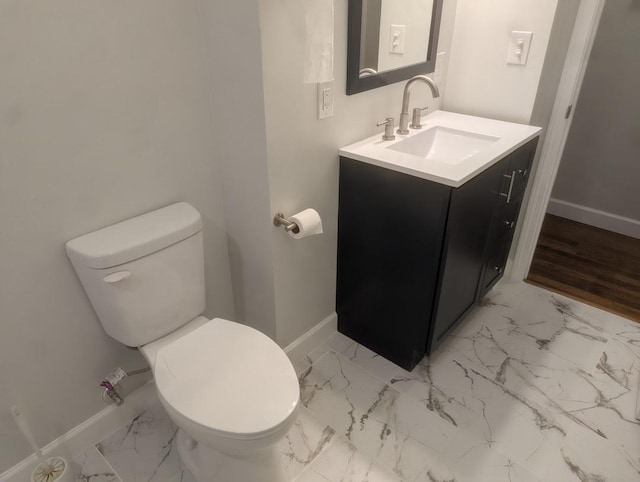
111,383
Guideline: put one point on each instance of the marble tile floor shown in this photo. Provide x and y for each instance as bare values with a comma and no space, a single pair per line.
531,387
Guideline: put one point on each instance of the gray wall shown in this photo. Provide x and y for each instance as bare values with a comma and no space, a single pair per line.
303,157
561,31
600,166
232,37
103,116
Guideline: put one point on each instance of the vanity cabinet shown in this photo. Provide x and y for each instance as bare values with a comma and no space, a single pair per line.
415,256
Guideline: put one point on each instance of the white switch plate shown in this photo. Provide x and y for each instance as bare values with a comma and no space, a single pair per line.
325,99
439,68
519,45
396,39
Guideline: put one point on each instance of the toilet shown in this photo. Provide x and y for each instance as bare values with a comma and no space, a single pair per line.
230,389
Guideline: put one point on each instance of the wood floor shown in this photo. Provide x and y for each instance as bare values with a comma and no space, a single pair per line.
589,264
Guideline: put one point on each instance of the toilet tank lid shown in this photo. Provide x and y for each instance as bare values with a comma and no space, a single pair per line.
135,237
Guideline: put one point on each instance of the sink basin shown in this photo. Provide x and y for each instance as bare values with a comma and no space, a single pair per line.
450,148
443,144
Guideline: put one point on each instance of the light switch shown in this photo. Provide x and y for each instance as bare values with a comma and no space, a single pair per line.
519,45
396,39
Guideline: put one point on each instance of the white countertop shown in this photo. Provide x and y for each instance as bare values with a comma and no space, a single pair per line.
374,150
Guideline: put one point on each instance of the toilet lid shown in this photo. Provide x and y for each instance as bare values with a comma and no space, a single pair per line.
228,377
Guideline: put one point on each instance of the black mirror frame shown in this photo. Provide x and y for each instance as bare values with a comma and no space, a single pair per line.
355,83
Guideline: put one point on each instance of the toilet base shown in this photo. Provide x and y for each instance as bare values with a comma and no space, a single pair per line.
208,465
187,451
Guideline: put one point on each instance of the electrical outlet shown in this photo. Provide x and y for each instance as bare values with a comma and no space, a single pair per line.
325,99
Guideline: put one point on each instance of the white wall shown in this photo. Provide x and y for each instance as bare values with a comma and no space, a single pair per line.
303,158
232,38
103,116
559,38
600,166
479,80
415,15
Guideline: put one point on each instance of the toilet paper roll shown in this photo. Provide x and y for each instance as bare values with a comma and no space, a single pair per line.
308,222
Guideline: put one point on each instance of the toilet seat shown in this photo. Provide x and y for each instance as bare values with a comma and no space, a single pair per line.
228,378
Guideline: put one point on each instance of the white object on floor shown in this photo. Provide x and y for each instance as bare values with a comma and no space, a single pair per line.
202,368
75,442
47,470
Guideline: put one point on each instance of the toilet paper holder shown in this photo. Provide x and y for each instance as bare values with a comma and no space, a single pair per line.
280,220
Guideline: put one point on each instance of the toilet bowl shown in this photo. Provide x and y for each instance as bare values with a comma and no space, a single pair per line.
232,391
229,388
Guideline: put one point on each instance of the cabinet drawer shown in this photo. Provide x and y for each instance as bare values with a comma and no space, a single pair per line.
496,262
506,219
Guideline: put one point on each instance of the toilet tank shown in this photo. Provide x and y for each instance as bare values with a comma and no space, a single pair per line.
144,276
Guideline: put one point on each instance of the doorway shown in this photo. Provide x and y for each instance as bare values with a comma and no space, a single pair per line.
589,245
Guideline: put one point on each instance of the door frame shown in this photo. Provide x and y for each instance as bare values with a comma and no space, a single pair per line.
580,46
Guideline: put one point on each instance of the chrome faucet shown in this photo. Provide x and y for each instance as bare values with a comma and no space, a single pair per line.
403,127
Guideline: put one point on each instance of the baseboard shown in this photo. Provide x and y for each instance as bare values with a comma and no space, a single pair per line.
313,338
88,433
594,217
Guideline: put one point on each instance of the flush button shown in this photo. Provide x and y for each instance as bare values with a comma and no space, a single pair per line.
117,276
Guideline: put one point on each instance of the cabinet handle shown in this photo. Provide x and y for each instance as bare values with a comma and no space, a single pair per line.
510,224
511,177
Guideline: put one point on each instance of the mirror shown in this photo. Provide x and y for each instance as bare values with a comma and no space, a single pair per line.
390,41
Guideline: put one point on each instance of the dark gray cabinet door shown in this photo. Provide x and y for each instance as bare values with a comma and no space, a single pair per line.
390,230
472,207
